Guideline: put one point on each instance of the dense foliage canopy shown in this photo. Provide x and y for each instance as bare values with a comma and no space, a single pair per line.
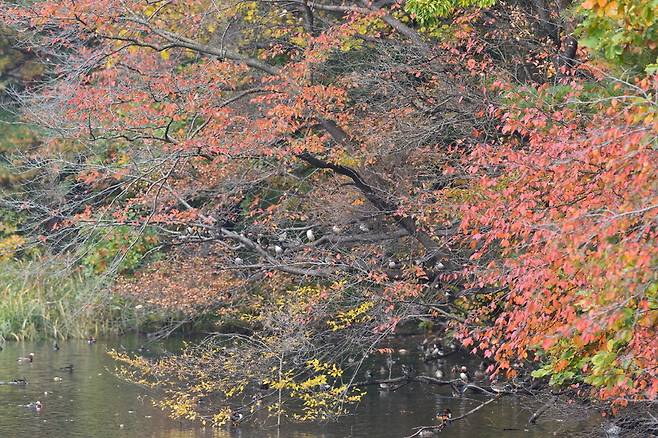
316,174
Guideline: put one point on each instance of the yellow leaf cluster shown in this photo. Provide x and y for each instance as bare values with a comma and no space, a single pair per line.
352,316
9,246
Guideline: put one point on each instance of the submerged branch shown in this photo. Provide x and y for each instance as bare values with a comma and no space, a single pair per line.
440,427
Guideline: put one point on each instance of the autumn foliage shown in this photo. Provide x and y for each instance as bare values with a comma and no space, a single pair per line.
316,174
564,226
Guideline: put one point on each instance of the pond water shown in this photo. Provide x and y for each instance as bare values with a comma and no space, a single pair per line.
92,402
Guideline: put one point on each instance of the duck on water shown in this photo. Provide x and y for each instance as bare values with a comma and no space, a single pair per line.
36,406
14,382
28,359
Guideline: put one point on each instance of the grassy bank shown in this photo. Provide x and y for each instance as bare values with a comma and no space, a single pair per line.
48,301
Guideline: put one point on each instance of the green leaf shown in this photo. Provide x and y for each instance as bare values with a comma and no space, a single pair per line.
541,372
651,69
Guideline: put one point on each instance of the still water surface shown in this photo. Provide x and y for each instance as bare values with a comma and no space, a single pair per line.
92,402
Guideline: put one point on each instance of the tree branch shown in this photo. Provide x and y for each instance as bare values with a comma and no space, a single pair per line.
383,205
275,264
223,54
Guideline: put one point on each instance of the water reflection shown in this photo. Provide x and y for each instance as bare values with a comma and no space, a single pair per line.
92,402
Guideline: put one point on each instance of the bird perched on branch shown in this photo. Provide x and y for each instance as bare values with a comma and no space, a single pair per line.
500,388
309,235
444,417
463,374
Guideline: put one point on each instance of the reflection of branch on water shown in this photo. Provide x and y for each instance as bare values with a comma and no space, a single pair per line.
440,427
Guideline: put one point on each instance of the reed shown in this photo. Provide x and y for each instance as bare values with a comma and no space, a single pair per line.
50,301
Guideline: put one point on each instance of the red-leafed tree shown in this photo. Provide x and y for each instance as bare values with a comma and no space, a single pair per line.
318,173
565,227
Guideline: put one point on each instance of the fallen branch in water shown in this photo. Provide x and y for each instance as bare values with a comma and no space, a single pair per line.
434,381
539,412
380,381
476,388
441,426
408,379
477,408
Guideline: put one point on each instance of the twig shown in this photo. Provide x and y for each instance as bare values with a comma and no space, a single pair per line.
476,408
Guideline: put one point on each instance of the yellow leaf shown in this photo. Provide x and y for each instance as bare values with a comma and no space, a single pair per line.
611,9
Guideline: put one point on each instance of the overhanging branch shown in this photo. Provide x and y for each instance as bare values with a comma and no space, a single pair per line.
376,198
